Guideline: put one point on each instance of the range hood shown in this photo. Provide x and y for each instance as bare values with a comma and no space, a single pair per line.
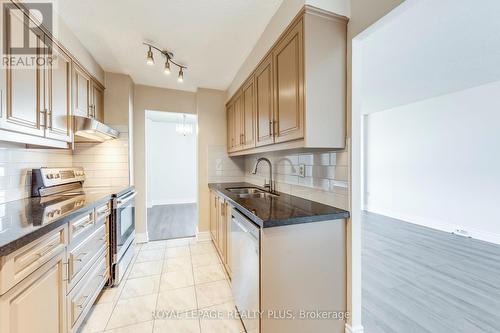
91,130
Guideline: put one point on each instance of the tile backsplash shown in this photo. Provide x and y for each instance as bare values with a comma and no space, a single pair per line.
106,163
222,168
16,163
325,178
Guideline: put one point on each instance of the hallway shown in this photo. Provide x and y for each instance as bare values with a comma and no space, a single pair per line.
172,221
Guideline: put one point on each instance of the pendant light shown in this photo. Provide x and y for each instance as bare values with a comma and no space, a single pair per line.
169,56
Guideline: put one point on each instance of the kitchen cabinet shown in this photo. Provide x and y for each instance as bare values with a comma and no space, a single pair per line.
58,95
97,102
23,86
264,104
37,303
298,90
214,200
220,220
81,92
288,86
248,115
237,123
37,101
230,127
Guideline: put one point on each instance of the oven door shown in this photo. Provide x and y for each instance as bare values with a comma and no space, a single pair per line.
124,224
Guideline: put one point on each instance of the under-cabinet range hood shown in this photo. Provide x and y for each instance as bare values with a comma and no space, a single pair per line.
91,130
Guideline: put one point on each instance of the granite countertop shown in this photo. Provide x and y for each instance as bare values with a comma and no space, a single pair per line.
22,221
278,211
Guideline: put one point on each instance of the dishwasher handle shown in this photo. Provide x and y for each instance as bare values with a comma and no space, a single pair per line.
243,228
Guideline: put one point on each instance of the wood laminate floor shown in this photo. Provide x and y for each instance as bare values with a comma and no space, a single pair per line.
417,279
172,221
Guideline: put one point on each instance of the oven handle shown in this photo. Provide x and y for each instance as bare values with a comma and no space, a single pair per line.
121,201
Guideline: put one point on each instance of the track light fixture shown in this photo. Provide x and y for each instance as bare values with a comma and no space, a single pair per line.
168,59
150,60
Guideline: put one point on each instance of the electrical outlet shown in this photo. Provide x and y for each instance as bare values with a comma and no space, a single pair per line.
302,170
462,232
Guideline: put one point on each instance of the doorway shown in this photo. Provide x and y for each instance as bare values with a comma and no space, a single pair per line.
425,120
171,166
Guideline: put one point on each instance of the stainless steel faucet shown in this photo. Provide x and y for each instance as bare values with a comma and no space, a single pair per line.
271,186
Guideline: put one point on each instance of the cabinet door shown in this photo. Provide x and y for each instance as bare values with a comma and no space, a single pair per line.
41,296
238,122
221,239
248,111
59,96
213,216
97,107
288,66
230,127
23,84
81,92
264,103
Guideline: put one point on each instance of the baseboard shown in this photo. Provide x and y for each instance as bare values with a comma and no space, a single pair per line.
203,236
436,225
141,237
355,329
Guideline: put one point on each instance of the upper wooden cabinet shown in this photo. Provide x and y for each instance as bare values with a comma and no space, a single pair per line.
289,86
298,90
37,101
264,104
58,89
81,92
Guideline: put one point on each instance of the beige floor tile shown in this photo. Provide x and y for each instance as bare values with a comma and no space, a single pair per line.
97,319
142,269
150,255
205,259
177,252
177,279
181,325
145,327
228,323
110,295
177,264
180,242
154,245
210,273
140,286
183,299
202,248
213,293
132,311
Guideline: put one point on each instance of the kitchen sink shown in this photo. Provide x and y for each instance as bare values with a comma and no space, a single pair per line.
245,190
257,195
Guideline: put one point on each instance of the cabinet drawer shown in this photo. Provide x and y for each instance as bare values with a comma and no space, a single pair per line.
103,211
21,263
81,226
81,256
81,298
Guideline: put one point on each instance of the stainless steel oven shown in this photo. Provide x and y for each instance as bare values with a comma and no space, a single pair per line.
122,234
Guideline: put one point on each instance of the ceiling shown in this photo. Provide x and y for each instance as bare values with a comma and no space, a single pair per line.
432,48
211,37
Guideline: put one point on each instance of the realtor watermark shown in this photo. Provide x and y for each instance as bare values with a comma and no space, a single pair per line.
26,34
270,314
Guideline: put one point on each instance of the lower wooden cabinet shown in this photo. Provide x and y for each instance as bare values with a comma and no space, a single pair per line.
220,227
38,303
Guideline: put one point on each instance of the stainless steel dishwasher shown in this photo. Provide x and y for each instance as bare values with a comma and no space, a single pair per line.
245,257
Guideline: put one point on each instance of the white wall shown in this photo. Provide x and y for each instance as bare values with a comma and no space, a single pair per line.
436,162
172,166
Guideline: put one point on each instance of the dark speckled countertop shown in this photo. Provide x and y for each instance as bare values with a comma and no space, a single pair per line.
22,221
278,211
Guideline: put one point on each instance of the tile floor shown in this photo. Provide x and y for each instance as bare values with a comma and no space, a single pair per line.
172,286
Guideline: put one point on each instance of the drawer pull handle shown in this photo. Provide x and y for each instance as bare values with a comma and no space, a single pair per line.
80,305
81,226
46,250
